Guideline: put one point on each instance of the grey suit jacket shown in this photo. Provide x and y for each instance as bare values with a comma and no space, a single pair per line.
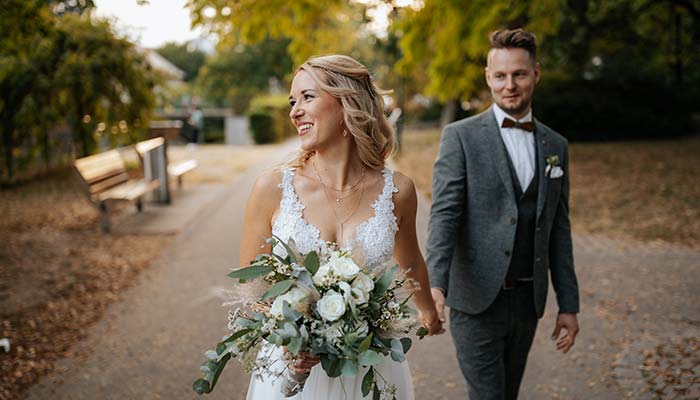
474,214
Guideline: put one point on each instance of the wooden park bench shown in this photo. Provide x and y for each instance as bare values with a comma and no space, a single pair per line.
175,170
106,181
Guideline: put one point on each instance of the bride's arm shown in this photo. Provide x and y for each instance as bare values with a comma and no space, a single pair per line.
407,253
263,202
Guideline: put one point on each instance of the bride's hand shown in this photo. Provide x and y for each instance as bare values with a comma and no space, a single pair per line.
302,362
432,322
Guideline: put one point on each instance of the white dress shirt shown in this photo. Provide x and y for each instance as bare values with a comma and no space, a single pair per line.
520,145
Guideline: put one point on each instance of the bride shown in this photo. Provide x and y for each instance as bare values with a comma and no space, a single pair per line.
337,189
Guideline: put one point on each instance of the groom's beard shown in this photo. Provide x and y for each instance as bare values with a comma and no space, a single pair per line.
515,110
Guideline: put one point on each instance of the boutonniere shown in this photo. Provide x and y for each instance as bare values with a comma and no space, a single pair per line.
553,170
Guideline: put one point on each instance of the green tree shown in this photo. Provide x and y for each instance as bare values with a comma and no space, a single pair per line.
102,79
185,57
312,27
236,74
65,66
447,40
26,51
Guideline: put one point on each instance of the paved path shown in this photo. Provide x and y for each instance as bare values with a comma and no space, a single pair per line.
150,345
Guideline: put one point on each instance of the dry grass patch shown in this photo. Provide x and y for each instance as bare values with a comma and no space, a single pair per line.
645,190
57,274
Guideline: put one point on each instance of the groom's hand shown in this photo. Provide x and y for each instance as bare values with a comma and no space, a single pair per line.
439,299
568,322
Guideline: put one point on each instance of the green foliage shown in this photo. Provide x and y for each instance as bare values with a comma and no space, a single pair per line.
621,62
262,127
185,57
236,74
278,107
58,65
312,27
448,39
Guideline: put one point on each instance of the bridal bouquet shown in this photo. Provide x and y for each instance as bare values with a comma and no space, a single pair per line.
320,304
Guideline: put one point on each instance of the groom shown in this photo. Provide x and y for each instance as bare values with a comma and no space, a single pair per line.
499,226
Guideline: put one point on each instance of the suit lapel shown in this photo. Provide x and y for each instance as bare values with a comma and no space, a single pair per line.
541,142
493,136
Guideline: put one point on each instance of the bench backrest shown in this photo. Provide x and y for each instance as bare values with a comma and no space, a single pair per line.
148,145
102,171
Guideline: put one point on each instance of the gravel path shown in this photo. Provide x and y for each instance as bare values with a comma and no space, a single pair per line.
639,309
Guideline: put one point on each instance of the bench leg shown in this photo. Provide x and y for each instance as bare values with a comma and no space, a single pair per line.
179,182
139,204
104,218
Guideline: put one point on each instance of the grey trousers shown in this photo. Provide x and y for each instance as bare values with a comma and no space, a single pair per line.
492,347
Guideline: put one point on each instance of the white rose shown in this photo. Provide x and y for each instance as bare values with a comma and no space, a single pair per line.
344,267
363,282
296,297
331,306
321,275
362,286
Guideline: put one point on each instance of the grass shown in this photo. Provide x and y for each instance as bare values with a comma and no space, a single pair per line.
642,190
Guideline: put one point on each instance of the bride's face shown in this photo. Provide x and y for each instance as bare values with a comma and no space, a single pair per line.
315,113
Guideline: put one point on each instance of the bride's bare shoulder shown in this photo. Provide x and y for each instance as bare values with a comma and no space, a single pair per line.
405,199
266,189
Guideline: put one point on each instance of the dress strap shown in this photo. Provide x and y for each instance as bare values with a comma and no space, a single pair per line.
384,205
290,203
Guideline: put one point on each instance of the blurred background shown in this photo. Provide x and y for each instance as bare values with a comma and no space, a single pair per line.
620,80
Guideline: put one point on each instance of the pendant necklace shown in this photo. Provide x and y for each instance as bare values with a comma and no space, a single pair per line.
352,188
337,199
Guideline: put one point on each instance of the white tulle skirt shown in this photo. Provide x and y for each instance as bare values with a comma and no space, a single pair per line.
320,387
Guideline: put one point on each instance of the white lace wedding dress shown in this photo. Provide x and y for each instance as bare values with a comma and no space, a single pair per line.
374,239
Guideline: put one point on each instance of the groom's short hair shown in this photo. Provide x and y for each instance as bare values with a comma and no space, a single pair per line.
514,39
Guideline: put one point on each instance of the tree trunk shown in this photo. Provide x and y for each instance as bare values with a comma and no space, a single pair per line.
449,112
7,131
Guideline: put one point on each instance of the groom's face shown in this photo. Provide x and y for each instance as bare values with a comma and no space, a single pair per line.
512,75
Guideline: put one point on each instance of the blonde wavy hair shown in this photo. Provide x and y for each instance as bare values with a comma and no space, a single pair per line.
363,107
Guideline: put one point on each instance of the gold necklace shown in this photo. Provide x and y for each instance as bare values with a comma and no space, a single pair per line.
326,187
330,203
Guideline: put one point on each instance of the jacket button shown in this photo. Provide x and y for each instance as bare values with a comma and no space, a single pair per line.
513,221
538,259
507,252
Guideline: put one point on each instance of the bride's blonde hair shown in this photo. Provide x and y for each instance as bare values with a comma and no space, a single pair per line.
363,107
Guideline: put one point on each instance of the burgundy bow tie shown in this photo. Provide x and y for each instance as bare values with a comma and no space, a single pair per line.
526,126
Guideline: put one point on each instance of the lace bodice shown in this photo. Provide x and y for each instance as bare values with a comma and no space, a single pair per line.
372,242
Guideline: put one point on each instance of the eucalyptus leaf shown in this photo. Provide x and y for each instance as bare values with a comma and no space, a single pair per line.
295,345
201,386
219,368
311,262
397,353
289,313
364,345
422,332
349,368
376,394
275,339
237,335
250,273
290,252
279,289
384,282
331,364
368,382
406,343
369,357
